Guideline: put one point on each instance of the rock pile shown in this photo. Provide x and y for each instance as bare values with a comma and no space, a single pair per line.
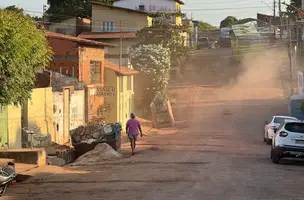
99,154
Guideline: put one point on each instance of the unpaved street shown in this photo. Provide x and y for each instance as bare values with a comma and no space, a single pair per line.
220,154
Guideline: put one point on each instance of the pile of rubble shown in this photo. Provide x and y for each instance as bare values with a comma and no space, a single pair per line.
100,153
59,155
93,132
87,133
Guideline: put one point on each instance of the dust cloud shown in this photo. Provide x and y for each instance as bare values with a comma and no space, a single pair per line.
260,76
264,75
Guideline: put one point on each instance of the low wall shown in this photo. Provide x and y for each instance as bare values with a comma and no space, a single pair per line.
27,156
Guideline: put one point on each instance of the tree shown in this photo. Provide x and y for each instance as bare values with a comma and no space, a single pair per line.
290,10
154,61
60,9
24,51
204,26
228,21
15,9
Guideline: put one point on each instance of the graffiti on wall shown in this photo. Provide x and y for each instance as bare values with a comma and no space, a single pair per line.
104,91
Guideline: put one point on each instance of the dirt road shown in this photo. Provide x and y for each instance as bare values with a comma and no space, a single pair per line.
219,155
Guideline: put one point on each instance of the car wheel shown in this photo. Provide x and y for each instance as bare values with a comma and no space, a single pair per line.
276,157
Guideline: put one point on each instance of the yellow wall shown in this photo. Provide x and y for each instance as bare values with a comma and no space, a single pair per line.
178,20
123,20
111,81
14,127
39,110
126,101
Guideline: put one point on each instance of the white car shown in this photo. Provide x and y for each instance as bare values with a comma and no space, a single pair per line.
271,124
288,141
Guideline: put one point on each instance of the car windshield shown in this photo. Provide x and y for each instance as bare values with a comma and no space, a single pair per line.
279,120
295,127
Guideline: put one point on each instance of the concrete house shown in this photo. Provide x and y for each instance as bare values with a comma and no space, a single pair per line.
72,26
154,7
83,59
120,80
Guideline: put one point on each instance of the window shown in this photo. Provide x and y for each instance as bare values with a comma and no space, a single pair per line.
295,127
95,72
141,7
107,26
129,82
279,120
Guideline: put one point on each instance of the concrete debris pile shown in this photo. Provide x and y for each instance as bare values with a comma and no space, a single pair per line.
100,153
88,133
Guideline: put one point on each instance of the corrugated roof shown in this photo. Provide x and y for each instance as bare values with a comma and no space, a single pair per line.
247,29
120,8
109,35
78,40
121,70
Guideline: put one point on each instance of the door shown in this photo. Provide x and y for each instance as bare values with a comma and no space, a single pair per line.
66,115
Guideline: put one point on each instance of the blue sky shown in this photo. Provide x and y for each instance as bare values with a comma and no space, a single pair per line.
211,11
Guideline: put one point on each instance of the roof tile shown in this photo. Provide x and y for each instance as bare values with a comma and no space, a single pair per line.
108,35
121,70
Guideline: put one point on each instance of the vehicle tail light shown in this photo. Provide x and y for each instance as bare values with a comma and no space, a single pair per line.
283,134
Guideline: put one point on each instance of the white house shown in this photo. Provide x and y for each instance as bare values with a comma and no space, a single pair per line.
151,5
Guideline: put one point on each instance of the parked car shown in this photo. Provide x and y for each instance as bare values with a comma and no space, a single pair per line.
203,42
271,124
288,141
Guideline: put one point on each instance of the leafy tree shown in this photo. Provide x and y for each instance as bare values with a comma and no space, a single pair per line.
60,9
24,51
169,36
290,10
228,21
154,61
246,20
204,26
14,9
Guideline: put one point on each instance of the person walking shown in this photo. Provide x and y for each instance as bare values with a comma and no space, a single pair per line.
132,129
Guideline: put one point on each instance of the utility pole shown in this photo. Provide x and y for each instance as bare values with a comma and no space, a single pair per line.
280,15
43,14
274,16
290,55
120,47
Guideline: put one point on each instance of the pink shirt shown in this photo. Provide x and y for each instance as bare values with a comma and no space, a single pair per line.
133,127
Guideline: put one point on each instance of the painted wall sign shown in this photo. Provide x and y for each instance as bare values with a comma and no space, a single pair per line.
105,91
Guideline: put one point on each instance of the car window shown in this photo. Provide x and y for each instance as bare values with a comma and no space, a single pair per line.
279,120
295,127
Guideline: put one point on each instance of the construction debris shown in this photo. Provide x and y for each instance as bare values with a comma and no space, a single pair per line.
100,153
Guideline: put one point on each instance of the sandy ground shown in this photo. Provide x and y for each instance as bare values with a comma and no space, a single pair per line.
219,155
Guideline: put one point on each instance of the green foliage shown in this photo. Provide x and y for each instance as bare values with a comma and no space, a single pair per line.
204,26
24,51
15,9
60,9
168,35
291,11
245,20
154,61
228,21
